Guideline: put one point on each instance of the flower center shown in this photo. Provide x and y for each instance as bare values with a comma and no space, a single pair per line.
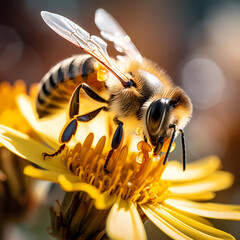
134,176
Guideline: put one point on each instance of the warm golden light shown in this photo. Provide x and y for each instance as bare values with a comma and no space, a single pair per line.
137,186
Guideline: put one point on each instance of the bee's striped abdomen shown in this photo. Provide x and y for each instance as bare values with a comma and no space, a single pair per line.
58,84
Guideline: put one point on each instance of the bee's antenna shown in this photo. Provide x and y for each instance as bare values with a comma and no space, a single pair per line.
171,142
183,149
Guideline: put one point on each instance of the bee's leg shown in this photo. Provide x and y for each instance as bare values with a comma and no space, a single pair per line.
60,149
117,138
89,116
74,101
66,134
70,129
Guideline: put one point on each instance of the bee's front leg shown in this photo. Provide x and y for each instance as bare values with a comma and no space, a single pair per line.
70,129
117,138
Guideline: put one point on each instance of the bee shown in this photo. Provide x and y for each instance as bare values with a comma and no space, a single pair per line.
137,91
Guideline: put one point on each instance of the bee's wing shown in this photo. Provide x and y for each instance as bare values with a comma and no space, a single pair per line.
112,31
93,45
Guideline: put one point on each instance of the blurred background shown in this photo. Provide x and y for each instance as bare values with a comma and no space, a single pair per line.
196,41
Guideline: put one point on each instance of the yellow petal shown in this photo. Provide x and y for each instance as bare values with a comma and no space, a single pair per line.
48,132
27,148
41,174
195,196
124,222
183,224
195,170
218,181
165,225
48,175
210,210
195,217
102,200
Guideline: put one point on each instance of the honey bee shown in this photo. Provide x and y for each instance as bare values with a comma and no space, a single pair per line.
139,93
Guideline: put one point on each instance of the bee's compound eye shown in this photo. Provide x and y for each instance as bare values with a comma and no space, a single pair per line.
155,116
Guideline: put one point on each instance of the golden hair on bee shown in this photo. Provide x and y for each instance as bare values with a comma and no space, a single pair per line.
183,109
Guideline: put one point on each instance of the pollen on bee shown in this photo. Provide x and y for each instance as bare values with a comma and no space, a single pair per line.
101,72
138,131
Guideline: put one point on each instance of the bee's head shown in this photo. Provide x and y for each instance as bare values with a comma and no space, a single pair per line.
163,113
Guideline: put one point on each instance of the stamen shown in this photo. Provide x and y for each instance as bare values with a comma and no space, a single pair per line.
128,177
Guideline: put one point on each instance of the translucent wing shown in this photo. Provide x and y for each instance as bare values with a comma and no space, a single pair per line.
93,45
112,31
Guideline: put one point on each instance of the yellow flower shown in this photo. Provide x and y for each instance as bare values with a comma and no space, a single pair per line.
17,192
10,114
138,186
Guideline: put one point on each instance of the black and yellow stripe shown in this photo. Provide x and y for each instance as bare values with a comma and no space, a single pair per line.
57,86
